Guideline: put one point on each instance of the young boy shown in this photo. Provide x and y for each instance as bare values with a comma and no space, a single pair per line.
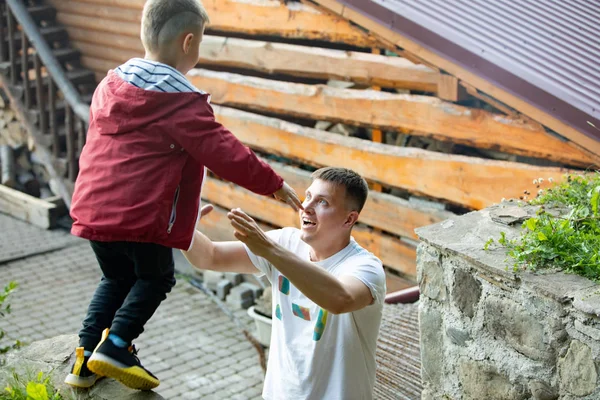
137,195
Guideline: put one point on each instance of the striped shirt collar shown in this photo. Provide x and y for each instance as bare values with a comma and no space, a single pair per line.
155,76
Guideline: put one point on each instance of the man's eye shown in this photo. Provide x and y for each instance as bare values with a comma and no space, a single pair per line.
323,202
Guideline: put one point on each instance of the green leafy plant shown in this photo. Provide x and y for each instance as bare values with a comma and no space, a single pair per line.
565,233
38,388
5,310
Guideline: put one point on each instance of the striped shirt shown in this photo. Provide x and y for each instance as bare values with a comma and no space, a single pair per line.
155,76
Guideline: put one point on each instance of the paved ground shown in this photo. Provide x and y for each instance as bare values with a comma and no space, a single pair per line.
190,343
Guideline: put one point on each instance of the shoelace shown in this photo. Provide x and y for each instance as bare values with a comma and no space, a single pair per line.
133,350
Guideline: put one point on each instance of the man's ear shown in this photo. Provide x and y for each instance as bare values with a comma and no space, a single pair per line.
351,219
187,42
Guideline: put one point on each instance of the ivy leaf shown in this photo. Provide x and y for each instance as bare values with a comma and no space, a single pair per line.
595,200
531,223
36,391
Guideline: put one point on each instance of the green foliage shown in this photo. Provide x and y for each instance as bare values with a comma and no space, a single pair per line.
568,240
38,388
5,310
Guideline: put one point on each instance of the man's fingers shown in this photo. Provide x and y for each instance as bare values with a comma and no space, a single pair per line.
241,225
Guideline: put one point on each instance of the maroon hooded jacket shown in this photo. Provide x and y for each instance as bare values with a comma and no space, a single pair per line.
142,167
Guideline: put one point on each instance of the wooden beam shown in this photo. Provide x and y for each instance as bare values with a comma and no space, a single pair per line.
217,227
250,17
27,208
580,140
124,45
281,58
393,252
469,181
423,115
383,211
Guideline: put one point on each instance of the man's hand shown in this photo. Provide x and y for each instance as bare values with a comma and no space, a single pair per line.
248,232
288,195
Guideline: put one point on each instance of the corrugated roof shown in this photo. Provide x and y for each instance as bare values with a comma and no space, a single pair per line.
545,51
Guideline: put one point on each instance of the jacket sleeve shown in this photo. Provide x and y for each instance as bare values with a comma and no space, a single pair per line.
214,146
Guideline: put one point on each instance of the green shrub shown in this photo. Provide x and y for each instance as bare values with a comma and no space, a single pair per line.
565,233
39,388
5,310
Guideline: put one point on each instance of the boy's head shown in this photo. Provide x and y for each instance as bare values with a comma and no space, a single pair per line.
172,31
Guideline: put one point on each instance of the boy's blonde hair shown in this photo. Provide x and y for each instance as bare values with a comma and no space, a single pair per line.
164,20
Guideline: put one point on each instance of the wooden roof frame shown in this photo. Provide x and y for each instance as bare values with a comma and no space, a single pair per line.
396,31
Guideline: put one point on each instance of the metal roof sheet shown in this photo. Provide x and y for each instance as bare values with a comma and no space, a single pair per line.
546,52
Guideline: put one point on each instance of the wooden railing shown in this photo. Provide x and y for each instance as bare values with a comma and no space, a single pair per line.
42,93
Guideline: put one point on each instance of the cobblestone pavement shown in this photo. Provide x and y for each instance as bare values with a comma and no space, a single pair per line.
190,343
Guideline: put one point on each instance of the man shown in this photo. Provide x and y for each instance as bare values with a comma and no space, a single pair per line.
328,292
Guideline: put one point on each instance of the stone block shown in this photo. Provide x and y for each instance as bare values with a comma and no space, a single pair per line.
240,297
577,371
542,391
458,337
430,273
507,320
234,278
482,381
466,292
223,288
212,279
432,355
257,291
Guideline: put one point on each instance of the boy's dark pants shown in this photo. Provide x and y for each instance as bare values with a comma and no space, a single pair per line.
137,278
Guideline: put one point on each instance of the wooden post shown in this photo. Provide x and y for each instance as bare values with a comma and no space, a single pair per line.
2,49
8,166
25,68
70,143
81,138
376,134
12,53
40,93
52,118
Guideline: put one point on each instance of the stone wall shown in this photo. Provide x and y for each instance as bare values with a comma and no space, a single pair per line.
490,333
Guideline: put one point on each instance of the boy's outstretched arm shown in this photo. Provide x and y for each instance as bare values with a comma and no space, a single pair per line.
218,256
214,146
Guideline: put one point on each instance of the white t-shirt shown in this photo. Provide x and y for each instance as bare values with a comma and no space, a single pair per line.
316,355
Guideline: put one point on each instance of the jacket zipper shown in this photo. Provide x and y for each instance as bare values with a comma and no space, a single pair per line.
173,211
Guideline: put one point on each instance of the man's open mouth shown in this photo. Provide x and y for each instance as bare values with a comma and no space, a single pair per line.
307,222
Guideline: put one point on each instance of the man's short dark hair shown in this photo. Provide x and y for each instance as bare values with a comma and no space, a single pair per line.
355,185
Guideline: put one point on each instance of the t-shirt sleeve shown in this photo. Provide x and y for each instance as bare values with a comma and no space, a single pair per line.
369,271
260,263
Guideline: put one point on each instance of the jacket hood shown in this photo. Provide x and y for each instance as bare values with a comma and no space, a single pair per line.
120,107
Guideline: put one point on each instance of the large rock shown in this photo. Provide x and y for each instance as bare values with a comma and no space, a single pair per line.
577,370
54,357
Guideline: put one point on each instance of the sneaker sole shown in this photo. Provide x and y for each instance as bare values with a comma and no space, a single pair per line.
133,377
79,382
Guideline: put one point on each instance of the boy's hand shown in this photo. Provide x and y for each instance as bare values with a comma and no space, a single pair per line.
204,211
288,195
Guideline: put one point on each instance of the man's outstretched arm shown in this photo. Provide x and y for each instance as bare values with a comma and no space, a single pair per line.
218,256
336,295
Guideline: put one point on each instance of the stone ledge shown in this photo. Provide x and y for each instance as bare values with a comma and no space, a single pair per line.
466,235
54,357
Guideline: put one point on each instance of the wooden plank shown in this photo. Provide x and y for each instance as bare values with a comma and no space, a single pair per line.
580,140
423,115
217,227
28,208
113,41
383,211
250,17
448,87
281,58
392,252
469,181
395,283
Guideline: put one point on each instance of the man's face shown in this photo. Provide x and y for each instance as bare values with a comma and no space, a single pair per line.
325,216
